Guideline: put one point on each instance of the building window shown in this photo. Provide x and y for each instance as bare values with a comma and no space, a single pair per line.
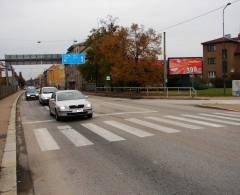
224,54
212,74
211,60
211,48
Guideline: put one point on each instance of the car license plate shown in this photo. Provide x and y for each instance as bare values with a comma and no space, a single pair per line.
77,110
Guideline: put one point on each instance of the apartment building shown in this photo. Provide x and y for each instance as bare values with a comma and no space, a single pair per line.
74,79
56,76
221,58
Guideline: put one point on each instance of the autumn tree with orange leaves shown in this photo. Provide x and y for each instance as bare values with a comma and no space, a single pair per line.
127,54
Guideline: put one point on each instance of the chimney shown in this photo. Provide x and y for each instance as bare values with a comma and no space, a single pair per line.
228,36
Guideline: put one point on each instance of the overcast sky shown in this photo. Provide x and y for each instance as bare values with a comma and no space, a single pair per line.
58,22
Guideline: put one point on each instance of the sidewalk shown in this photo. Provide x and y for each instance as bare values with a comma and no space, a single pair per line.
231,107
5,111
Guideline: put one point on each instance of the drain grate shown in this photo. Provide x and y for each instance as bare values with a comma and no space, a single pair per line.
3,136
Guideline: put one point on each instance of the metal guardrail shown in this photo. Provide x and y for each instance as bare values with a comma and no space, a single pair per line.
7,90
150,91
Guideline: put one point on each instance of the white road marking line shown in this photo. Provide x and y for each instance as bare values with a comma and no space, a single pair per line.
232,112
46,107
103,132
172,122
129,129
221,117
225,114
64,127
153,126
212,119
127,106
76,138
122,113
45,140
35,122
194,121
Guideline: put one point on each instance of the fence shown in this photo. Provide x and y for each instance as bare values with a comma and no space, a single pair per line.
7,90
148,91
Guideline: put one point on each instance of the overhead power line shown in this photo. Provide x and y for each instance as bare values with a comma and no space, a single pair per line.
196,17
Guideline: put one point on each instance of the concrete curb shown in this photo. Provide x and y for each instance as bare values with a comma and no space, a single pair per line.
8,174
217,108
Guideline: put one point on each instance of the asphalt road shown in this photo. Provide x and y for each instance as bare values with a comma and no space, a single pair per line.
133,147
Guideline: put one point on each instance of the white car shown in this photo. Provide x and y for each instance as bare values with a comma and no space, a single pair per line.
45,94
69,103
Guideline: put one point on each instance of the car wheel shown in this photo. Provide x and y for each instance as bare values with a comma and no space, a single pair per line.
56,116
89,115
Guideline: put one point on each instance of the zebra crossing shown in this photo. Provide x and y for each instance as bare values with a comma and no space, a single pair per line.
139,127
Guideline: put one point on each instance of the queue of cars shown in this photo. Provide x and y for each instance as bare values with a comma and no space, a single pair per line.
62,103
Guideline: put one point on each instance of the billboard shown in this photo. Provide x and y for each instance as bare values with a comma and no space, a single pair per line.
185,66
73,58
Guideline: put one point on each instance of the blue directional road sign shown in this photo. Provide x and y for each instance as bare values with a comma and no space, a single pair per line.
73,58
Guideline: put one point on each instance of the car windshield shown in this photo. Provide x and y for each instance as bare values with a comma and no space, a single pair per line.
49,90
71,95
31,90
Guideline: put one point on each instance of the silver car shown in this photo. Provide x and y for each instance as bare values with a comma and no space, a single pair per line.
45,94
69,103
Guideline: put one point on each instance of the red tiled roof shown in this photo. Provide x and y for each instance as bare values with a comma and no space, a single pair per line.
159,63
223,39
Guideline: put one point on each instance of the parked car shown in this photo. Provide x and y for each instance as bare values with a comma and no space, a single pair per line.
69,103
38,91
45,94
31,93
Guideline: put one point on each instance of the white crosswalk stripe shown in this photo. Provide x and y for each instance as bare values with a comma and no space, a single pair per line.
172,122
212,119
194,121
76,138
226,114
128,129
232,112
64,127
45,140
218,119
103,132
221,117
153,126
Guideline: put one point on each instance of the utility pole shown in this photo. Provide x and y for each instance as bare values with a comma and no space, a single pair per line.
224,53
165,60
7,78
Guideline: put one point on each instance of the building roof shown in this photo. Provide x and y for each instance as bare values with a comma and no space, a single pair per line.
2,67
223,39
51,67
75,45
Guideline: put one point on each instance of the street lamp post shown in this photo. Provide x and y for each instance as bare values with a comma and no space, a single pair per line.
224,62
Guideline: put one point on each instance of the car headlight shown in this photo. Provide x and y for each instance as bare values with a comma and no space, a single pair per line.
88,105
62,108
28,95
